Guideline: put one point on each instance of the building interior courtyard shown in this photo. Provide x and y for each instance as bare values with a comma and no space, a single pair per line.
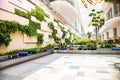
59,39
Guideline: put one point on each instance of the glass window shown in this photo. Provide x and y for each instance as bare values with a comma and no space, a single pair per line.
107,35
109,14
117,8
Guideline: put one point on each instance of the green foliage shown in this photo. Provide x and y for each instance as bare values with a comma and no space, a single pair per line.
70,33
111,0
5,39
91,46
8,27
107,44
55,20
63,30
17,51
21,13
39,13
31,2
89,34
96,20
67,41
40,39
54,32
76,40
84,41
35,24
49,46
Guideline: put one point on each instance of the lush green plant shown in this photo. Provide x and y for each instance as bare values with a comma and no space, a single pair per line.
89,34
84,41
55,20
49,46
40,39
17,51
91,46
8,27
39,13
31,2
70,33
5,39
54,32
67,41
63,30
107,44
76,39
97,21
35,24
21,13
31,29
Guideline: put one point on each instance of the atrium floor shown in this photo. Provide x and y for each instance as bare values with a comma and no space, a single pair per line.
65,67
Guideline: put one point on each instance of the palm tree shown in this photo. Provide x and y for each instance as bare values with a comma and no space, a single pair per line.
97,21
89,34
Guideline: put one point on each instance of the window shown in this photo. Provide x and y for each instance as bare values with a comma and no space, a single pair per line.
107,35
115,32
109,14
117,8
103,36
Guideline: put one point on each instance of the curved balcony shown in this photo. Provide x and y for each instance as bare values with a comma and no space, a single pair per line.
66,10
111,23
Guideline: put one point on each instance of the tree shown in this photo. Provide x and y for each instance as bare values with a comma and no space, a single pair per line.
97,21
89,34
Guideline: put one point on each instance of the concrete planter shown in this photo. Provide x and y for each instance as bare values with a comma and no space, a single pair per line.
16,61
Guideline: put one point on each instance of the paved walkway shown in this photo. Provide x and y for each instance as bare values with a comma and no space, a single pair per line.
65,67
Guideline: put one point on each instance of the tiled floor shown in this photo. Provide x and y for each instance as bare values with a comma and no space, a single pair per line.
79,67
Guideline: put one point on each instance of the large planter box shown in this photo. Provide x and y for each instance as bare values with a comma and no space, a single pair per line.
63,48
16,61
116,49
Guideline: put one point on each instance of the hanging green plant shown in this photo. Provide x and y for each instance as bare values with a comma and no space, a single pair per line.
23,14
40,39
70,33
55,20
63,30
39,13
8,27
53,35
31,2
5,39
67,41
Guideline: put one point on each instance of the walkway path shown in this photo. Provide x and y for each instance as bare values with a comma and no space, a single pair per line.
65,67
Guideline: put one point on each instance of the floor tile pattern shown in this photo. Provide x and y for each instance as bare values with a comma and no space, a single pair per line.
79,67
